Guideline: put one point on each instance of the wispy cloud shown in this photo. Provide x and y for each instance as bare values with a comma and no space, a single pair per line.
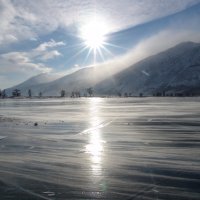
50,55
51,44
20,62
13,28
46,50
25,19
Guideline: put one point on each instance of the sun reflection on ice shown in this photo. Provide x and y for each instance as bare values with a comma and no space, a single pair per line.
95,147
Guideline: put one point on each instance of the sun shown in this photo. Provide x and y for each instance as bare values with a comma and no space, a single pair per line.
94,33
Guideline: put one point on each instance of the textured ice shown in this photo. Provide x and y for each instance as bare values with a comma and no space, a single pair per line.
98,148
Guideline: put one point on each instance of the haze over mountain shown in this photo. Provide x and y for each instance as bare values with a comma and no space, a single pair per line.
176,70
77,81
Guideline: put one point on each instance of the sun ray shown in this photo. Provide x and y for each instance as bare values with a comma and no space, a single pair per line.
106,50
78,53
113,45
87,56
101,54
95,55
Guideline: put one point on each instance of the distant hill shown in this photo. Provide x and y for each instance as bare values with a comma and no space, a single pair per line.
33,82
176,70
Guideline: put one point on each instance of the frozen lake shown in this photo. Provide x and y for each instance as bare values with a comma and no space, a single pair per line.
98,148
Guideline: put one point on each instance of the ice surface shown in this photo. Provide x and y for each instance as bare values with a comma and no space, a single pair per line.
98,148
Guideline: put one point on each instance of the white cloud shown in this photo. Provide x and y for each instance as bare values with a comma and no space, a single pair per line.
50,55
51,44
12,26
25,19
44,51
126,13
33,39
20,62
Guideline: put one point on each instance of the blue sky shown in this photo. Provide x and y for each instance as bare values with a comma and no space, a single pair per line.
43,36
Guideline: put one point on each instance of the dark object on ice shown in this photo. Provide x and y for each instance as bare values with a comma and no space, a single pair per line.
35,124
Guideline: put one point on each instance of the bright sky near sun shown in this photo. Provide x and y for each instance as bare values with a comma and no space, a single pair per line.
59,36
93,33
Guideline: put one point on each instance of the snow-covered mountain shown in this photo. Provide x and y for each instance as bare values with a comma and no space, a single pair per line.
50,85
176,70
77,81
33,82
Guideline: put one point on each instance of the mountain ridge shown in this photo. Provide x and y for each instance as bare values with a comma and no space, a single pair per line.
175,70
152,74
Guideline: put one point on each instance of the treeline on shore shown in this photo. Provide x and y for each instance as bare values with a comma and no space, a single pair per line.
89,92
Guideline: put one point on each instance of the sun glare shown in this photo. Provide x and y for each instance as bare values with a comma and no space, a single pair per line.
93,33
